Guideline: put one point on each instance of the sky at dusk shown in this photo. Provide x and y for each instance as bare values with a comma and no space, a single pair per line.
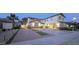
69,16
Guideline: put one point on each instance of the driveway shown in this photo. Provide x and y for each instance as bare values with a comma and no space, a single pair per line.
59,39
25,35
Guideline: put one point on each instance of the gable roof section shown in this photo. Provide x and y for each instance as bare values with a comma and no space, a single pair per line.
35,18
5,20
46,18
57,15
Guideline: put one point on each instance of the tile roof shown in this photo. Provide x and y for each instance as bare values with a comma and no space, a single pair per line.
5,20
56,15
36,18
48,17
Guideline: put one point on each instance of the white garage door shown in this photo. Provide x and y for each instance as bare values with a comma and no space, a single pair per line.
7,26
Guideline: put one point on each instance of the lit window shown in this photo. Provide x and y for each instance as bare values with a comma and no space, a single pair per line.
58,25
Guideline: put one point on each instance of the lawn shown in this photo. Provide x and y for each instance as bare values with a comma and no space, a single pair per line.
0,30
40,32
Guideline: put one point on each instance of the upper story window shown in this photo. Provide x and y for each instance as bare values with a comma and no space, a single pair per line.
60,17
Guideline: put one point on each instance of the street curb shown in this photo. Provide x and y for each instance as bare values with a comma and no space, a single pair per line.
10,40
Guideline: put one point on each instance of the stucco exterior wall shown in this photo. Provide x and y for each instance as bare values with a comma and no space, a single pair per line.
50,22
55,21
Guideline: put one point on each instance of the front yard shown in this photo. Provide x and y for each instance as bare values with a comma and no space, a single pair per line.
40,32
0,30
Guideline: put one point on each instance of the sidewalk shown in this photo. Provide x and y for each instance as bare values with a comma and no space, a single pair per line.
5,36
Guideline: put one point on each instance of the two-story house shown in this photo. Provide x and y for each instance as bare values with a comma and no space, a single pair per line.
54,22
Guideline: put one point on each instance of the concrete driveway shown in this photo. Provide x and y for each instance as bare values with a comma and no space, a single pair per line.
25,35
59,39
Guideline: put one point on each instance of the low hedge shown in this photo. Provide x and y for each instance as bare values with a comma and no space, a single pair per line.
65,28
18,27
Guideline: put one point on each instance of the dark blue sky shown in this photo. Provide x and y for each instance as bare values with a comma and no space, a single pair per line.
69,16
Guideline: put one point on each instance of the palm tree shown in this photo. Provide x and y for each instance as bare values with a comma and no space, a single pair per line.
13,17
8,17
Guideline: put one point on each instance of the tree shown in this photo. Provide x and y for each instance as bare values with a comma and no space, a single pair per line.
8,17
24,20
17,18
13,17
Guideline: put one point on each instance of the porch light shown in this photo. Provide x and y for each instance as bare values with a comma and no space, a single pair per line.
39,24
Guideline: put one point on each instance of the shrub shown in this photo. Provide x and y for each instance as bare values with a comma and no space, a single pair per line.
3,30
18,27
65,28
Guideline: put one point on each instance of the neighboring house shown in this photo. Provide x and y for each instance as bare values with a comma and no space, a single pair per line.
6,23
71,25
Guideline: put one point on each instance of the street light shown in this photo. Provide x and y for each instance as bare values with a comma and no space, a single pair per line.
74,19
74,22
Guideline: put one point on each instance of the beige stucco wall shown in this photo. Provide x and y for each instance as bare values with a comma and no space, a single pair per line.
54,19
54,22
51,22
